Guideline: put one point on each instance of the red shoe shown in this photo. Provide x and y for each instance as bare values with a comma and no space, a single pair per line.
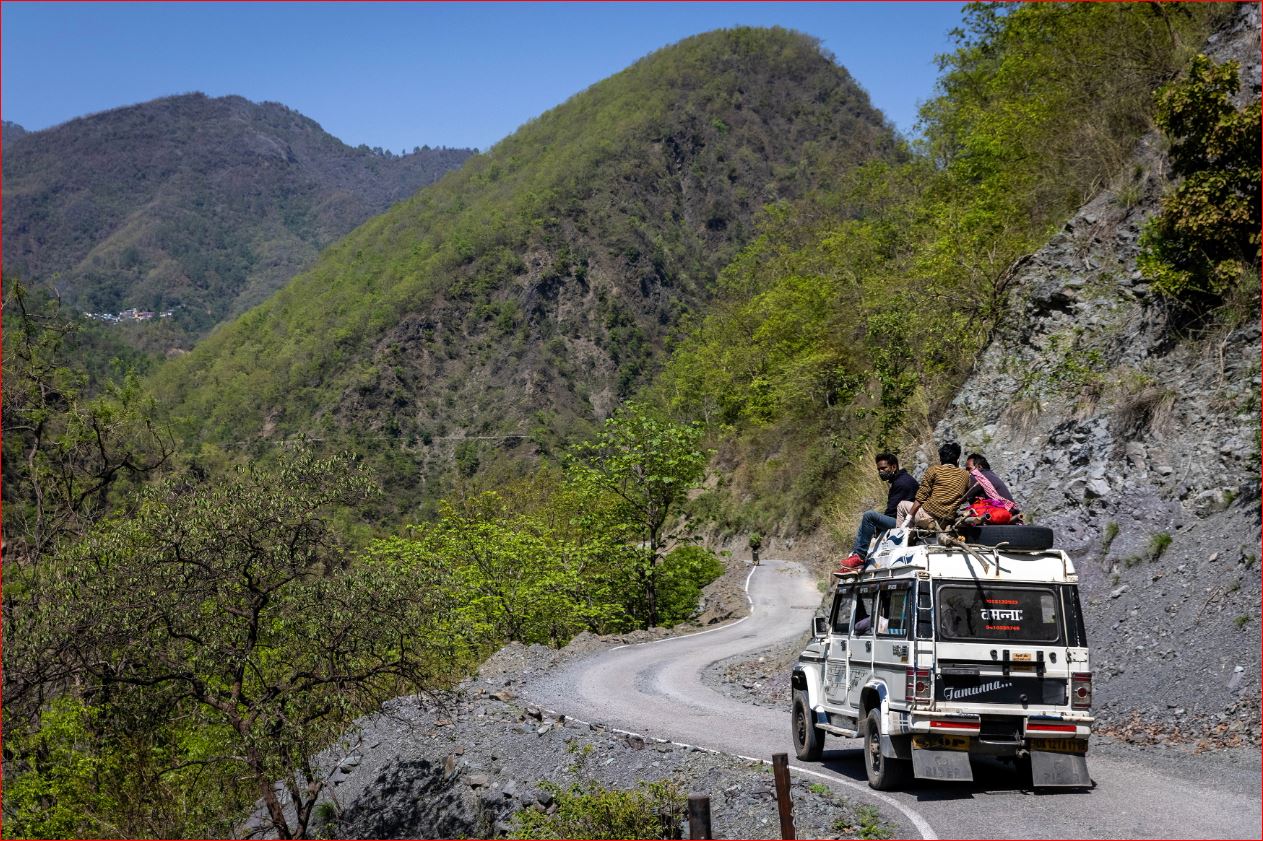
851,565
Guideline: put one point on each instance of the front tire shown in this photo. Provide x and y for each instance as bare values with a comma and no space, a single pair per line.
808,738
884,773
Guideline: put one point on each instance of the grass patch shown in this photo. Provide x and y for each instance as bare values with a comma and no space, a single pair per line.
1107,540
867,823
1241,620
1158,544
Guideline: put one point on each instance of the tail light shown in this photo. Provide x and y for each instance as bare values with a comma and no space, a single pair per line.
918,685
1081,691
1043,727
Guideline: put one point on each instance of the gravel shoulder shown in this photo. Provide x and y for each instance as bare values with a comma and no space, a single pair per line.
460,764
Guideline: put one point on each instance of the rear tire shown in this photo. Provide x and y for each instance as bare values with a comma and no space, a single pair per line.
808,738
884,773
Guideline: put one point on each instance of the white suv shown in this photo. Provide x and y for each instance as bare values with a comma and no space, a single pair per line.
938,652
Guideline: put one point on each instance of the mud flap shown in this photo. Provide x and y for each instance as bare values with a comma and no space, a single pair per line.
930,764
1065,770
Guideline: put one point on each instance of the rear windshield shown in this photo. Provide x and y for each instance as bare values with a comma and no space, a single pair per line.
988,612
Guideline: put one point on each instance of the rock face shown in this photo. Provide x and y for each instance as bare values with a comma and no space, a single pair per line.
1138,443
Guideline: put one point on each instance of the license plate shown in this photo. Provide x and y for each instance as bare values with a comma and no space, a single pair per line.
938,742
1060,745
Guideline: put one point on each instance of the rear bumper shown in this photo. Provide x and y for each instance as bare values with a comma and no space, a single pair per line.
999,727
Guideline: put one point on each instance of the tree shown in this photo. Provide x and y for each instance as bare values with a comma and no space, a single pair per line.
75,441
648,463
232,604
515,568
1206,239
69,442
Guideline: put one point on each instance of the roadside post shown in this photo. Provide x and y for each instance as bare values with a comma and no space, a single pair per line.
699,816
780,768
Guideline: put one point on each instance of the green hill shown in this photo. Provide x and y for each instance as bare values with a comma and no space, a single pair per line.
527,294
198,205
852,319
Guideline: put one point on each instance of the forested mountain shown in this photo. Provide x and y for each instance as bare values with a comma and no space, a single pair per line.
724,253
532,291
11,132
203,206
848,324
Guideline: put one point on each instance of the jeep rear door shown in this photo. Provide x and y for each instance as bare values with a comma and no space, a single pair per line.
1001,643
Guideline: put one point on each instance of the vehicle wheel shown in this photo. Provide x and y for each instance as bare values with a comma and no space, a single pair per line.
808,738
1014,537
884,773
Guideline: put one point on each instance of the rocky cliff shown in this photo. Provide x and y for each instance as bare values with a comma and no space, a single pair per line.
1138,442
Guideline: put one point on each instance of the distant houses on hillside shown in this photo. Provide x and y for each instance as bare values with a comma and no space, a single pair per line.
132,314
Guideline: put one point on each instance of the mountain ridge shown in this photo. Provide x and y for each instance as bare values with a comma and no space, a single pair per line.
574,244
204,205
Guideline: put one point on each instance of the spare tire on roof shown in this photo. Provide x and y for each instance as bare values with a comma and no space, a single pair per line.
1012,537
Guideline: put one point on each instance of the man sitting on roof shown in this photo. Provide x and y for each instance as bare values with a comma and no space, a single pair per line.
940,492
902,488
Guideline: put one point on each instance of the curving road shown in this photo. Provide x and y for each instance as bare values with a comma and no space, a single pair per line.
656,689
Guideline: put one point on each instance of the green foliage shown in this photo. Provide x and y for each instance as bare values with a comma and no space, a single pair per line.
866,824
1107,540
854,313
1205,242
536,562
79,430
528,292
1158,545
684,572
645,463
58,795
231,607
589,810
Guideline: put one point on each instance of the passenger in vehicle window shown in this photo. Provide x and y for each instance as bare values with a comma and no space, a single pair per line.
865,606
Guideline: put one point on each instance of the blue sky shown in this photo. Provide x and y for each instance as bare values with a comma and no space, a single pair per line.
398,75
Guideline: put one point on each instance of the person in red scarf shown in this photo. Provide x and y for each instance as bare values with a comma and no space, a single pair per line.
987,496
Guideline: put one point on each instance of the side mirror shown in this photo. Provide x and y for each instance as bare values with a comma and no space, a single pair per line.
820,626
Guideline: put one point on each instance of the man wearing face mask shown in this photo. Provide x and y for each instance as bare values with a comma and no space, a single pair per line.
902,488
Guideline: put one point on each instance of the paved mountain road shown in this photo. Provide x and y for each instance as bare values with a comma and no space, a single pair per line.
656,689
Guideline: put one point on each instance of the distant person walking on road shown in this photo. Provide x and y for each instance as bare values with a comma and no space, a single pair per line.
903,488
940,492
756,543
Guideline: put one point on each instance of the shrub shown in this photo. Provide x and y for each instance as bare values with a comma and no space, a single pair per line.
683,574
1206,239
589,810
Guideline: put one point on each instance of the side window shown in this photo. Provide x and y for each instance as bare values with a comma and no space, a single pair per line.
892,613
865,605
925,613
841,618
